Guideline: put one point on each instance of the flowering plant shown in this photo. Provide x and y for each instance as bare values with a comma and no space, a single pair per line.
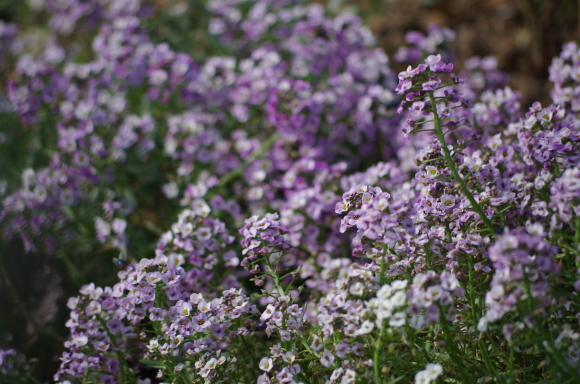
291,209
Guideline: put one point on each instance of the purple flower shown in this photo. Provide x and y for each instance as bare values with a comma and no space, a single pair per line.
327,358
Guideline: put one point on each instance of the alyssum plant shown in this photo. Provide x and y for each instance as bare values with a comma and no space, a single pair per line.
461,274
420,232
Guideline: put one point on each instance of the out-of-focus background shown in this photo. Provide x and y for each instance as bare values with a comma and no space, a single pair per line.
524,35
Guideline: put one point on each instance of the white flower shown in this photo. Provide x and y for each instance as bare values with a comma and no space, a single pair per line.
72,302
204,371
399,299
336,374
429,374
204,306
398,319
270,309
365,328
289,357
385,292
434,370
372,304
119,226
93,308
201,208
494,142
349,377
431,172
421,377
482,325
170,190
153,277
79,341
357,289
255,193
399,284
157,76
212,363
434,292
153,345
184,308
266,364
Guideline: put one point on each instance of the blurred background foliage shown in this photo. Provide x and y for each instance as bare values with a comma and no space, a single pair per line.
523,34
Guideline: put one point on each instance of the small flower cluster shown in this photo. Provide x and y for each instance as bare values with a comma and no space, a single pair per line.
565,74
39,208
565,195
262,238
9,361
365,206
433,293
429,374
202,242
296,115
419,44
523,262
157,290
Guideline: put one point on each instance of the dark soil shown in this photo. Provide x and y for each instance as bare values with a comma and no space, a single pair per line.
523,34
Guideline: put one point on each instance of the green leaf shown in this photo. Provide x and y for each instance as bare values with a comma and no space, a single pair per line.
179,359
154,363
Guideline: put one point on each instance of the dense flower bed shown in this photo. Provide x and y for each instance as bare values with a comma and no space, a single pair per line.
334,222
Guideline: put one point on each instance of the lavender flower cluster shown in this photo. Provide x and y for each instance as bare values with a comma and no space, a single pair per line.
331,224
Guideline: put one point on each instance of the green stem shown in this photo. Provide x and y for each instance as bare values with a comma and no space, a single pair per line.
86,375
272,273
577,235
383,265
480,344
307,347
451,164
551,350
452,348
486,361
378,345
512,360
414,342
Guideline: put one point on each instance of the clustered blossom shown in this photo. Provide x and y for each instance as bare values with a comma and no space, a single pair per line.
202,241
523,262
429,374
85,98
565,195
284,316
280,367
565,74
419,44
262,238
430,294
314,115
481,75
345,305
35,210
194,325
372,237
157,289
10,359
287,319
